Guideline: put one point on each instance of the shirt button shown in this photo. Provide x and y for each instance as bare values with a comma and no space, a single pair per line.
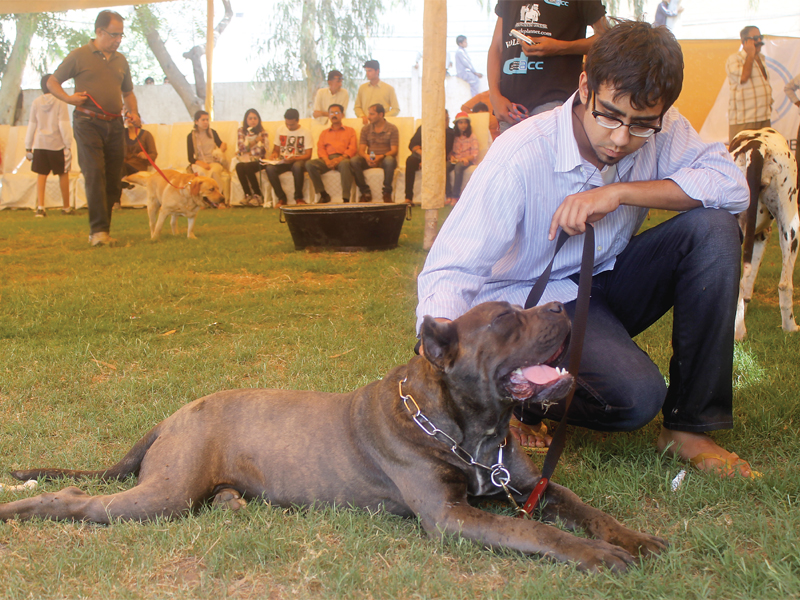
599,248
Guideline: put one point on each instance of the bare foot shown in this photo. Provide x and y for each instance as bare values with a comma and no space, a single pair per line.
703,453
530,436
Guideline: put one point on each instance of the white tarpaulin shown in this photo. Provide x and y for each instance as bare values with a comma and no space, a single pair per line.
37,6
783,63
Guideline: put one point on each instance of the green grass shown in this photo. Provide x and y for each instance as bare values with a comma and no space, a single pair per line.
97,345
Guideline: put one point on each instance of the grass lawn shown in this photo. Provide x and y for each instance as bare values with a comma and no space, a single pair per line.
98,345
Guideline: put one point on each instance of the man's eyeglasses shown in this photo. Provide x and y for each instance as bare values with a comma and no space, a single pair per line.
116,36
610,122
755,38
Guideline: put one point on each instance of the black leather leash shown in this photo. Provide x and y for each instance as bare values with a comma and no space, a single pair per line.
575,351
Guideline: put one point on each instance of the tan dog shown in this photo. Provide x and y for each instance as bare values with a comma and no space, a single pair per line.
185,194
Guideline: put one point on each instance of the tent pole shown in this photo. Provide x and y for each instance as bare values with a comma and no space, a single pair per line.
210,59
434,53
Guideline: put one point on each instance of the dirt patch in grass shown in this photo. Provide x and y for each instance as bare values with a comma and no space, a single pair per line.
245,282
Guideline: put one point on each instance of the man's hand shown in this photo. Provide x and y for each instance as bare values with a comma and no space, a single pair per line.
502,106
544,46
365,119
749,47
77,99
584,207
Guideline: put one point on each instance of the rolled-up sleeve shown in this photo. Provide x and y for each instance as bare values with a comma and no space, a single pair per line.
705,172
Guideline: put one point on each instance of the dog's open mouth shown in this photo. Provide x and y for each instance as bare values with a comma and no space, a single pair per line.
209,203
543,383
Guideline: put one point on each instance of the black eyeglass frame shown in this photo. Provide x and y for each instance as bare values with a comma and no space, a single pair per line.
116,36
755,38
647,130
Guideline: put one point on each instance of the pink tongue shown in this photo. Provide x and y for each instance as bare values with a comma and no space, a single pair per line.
540,374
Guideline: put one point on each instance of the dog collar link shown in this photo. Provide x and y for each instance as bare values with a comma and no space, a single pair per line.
498,474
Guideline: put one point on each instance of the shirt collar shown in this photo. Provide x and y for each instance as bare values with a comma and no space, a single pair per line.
568,156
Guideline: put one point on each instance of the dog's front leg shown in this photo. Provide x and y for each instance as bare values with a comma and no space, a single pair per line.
173,223
563,504
526,536
190,232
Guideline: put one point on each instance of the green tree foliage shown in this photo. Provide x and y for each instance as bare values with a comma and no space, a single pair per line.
311,37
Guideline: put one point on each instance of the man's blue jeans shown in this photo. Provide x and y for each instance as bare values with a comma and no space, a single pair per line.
101,156
298,169
689,263
388,164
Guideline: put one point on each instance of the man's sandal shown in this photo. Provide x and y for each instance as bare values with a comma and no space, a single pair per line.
730,465
538,431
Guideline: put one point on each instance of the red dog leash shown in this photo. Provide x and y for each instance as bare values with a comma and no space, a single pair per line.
575,351
150,160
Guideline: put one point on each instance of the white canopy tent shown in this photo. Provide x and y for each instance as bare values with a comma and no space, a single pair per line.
36,6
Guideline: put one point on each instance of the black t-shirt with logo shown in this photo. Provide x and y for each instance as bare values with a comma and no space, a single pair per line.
533,81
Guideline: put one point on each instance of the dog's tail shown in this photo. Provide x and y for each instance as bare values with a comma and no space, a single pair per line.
755,166
139,178
129,465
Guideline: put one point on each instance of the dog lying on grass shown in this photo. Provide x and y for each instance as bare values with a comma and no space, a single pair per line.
771,170
428,437
186,196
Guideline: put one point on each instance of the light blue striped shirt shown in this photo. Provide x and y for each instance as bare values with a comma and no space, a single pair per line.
494,244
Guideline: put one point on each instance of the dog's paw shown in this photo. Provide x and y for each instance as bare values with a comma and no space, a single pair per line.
640,544
229,499
595,555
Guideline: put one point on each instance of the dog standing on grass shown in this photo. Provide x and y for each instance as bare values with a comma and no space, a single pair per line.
771,170
184,194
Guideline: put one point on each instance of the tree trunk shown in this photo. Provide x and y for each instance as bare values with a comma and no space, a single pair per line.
195,54
434,169
313,68
176,78
12,77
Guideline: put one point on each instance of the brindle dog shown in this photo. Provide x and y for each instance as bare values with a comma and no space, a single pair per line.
387,445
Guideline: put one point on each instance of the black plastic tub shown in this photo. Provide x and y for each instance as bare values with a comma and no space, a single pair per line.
345,227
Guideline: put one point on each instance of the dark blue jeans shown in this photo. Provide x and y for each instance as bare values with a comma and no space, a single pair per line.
298,169
689,263
359,165
101,156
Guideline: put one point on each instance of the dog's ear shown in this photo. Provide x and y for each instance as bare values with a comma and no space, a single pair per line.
194,186
439,342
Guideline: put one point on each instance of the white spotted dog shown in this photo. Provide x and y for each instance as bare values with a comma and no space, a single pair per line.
771,170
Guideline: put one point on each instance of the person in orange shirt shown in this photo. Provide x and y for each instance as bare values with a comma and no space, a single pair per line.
336,146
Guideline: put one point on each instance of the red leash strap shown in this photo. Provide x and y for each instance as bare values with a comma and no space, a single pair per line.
155,166
102,110
575,351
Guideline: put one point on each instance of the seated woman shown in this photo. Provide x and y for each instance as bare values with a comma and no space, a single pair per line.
465,153
253,146
135,157
206,152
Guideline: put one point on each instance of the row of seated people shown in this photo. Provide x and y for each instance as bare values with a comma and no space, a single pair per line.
337,150
216,150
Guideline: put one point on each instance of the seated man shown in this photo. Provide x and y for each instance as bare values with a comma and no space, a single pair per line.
293,149
376,148
336,146
414,161
614,150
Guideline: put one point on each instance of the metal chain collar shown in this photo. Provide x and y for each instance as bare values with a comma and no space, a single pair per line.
498,474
